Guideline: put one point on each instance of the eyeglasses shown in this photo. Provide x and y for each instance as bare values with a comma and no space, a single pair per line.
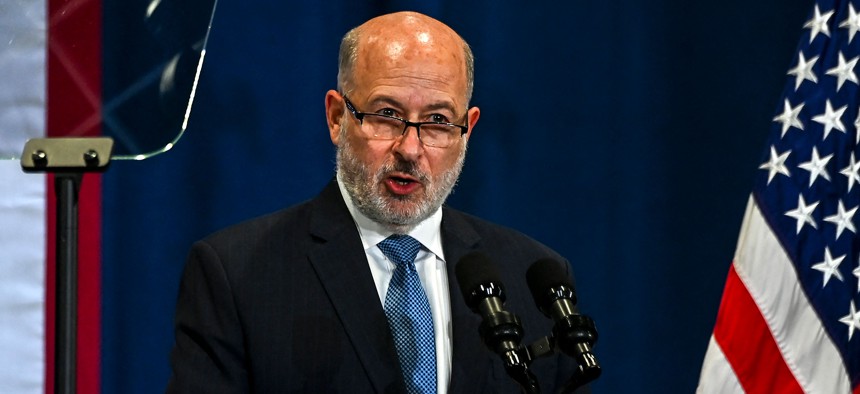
385,127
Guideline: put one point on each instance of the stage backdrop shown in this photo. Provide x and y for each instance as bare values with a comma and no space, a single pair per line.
624,134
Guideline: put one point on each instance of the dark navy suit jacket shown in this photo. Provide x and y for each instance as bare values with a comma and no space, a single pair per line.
286,303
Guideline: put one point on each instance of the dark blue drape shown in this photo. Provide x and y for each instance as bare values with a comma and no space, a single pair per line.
624,134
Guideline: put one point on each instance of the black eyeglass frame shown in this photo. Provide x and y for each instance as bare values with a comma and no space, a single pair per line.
406,124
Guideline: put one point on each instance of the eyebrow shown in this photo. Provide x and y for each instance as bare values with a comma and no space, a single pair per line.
439,105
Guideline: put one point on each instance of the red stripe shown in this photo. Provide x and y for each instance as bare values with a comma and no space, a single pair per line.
74,109
748,343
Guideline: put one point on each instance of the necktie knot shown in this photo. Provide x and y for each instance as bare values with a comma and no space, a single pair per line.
401,249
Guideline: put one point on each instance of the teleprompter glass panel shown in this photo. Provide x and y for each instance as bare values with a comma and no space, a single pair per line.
127,70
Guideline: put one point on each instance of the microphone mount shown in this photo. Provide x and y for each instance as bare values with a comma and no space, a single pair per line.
574,334
502,332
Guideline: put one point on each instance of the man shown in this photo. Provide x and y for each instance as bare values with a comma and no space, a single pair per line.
308,299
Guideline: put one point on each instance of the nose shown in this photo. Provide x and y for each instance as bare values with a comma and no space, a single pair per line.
409,145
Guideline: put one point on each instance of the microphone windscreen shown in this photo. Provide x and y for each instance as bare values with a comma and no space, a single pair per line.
545,274
473,270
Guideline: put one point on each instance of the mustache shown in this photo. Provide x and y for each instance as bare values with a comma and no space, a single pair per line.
406,167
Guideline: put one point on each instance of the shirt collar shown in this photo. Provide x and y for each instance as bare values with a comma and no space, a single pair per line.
427,232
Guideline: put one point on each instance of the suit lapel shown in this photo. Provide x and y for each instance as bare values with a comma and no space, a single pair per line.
343,271
470,359
342,268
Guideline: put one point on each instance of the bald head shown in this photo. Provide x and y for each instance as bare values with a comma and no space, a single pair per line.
394,40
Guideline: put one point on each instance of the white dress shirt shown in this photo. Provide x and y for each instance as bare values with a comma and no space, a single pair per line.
430,264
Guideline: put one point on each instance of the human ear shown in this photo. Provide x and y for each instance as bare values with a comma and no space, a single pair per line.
334,109
474,114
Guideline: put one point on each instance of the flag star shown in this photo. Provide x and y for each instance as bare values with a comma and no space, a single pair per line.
803,213
856,273
830,266
818,24
852,22
816,166
831,119
844,71
776,164
803,70
789,117
852,172
852,319
843,219
857,128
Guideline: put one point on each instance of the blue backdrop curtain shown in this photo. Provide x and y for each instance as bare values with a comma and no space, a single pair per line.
625,134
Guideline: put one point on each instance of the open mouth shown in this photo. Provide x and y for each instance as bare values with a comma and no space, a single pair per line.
401,181
401,184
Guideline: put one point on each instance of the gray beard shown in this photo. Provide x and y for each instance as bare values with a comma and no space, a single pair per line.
377,204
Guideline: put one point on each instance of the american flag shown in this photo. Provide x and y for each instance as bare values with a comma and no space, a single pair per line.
789,320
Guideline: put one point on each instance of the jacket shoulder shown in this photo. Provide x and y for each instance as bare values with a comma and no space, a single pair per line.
498,239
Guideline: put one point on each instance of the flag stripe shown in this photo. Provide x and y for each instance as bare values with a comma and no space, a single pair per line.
716,365
89,282
22,257
766,328
754,356
74,109
808,351
22,198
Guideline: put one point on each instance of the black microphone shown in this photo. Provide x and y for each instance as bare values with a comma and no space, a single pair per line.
500,330
574,334
485,294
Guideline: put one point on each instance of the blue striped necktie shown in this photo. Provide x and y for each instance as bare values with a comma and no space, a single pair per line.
409,316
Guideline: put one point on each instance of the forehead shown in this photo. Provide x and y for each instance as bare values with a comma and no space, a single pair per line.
410,55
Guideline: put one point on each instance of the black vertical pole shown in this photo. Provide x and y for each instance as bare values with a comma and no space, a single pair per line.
68,159
66,189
